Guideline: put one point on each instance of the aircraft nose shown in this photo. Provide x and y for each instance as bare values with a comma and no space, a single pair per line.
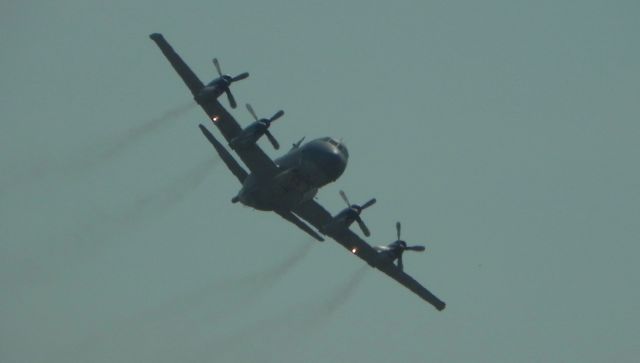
330,159
333,163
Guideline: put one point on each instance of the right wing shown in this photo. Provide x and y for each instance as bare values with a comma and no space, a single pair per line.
252,156
410,283
316,215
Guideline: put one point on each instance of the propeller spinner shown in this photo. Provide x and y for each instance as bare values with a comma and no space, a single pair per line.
266,123
227,80
354,212
401,246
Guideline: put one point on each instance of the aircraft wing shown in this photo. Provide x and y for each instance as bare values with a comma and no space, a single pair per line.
252,156
410,283
317,216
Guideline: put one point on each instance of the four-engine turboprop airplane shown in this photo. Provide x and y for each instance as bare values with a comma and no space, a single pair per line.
287,185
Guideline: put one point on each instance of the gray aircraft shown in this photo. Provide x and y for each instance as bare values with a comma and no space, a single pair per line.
287,185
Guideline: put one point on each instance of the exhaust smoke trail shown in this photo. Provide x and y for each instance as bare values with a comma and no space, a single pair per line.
266,279
132,136
242,290
298,322
173,193
78,246
171,319
151,204
340,295
91,157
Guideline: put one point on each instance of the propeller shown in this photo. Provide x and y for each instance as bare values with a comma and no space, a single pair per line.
357,209
267,122
228,80
402,246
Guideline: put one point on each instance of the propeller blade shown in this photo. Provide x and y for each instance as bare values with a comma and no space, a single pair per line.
368,204
240,77
276,116
400,264
363,227
272,139
415,248
217,65
344,197
398,229
250,109
232,101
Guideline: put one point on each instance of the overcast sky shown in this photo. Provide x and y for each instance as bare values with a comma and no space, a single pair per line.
503,134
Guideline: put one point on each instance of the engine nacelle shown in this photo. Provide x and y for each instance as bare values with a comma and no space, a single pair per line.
208,93
249,136
344,219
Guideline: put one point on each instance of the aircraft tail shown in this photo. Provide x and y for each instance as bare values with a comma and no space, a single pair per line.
231,163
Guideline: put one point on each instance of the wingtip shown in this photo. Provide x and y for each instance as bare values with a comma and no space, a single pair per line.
155,36
316,236
205,131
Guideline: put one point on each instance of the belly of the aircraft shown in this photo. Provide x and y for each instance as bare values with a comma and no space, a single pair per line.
287,190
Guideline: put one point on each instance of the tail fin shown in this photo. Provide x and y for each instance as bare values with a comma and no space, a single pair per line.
231,163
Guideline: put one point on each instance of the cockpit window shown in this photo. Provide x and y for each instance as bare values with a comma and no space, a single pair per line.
333,142
343,149
336,143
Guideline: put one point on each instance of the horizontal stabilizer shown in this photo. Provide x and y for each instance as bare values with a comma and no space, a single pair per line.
231,163
298,222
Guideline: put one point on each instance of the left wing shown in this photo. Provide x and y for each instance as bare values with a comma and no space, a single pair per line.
252,156
315,214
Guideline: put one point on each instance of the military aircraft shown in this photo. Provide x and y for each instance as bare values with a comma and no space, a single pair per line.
288,185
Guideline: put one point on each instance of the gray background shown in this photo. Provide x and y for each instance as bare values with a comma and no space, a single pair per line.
503,134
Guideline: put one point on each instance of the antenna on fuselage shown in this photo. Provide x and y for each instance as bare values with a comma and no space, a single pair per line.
297,144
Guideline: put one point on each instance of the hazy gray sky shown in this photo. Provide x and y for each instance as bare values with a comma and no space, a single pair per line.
503,134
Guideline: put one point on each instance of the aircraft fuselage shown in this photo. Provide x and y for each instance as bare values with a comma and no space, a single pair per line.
303,170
